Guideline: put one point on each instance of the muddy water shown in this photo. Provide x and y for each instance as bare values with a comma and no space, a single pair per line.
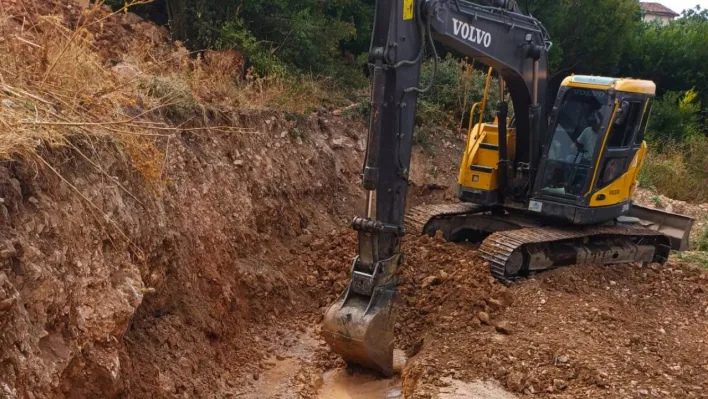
338,384
341,384
280,380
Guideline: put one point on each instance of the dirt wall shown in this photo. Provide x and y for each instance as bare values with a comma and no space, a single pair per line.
110,283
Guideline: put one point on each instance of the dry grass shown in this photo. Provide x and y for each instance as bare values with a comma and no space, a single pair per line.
218,78
58,85
680,172
55,86
78,79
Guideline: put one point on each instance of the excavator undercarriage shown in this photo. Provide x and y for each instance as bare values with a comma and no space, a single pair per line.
516,245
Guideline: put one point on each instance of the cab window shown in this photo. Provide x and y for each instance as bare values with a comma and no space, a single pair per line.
579,126
625,125
643,127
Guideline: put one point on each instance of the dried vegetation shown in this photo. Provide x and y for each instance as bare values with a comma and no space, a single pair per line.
87,77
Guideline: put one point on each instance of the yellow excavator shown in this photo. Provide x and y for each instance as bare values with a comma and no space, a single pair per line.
551,186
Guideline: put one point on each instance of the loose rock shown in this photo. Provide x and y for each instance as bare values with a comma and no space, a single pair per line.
503,327
483,317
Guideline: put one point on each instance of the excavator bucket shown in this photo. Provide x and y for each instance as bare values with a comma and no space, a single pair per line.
676,227
360,328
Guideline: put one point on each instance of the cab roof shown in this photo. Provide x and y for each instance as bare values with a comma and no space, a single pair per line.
604,83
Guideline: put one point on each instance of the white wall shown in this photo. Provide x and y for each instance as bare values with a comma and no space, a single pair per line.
662,18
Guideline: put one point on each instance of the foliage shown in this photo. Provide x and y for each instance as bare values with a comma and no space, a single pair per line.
702,241
588,36
684,162
422,138
675,118
457,86
235,34
314,35
699,258
305,36
669,55
672,55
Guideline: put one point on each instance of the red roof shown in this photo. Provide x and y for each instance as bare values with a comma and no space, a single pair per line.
657,9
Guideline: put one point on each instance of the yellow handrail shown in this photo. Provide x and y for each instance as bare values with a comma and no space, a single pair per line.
482,107
487,83
468,150
469,129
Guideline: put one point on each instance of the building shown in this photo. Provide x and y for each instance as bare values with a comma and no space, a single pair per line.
657,12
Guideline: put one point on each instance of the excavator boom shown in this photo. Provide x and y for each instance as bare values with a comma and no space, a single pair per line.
359,325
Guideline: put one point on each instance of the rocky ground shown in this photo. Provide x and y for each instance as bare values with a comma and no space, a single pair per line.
212,281
588,331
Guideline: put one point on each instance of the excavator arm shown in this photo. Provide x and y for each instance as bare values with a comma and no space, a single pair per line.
360,324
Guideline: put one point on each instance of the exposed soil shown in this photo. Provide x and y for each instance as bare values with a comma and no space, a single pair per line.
213,283
586,331
236,282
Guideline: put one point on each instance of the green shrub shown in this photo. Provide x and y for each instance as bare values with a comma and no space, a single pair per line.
702,241
235,34
457,86
422,138
675,118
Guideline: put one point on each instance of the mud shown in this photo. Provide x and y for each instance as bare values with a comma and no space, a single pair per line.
340,384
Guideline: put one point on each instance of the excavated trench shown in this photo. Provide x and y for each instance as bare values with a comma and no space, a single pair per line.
198,262
214,282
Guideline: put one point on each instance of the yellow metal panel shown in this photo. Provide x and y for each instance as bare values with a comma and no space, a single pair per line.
485,157
407,10
476,136
636,86
484,181
492,134
615,193
603,83
475,155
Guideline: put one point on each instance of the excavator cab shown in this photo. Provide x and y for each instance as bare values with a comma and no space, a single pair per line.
595,149
587,172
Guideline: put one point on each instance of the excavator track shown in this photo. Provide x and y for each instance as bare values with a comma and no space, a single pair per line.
418,218
622,243
514,248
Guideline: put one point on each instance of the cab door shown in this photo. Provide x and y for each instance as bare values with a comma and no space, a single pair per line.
622,152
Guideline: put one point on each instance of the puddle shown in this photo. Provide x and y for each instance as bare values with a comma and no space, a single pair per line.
276,381
340,384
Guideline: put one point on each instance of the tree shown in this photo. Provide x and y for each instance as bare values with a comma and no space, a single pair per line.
674,118
588,36
309,35
674,55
